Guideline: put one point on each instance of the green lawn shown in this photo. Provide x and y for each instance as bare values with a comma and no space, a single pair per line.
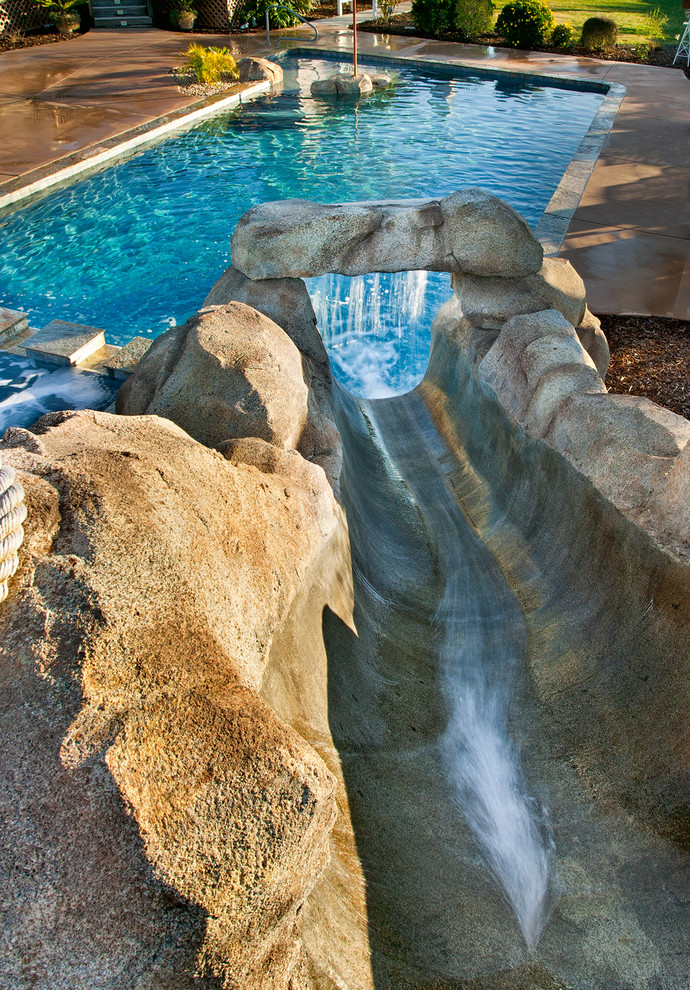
630,16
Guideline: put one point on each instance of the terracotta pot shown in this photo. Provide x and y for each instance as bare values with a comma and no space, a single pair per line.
67,23
185,20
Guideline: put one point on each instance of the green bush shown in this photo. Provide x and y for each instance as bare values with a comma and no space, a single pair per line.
435,16
525,23
464,17
563,36
255,11
599,33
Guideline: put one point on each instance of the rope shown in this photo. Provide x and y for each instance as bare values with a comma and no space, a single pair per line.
12,515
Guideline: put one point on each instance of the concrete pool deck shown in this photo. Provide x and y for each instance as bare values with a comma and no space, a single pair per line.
629,237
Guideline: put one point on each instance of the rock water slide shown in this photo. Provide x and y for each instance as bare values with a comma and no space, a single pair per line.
433,736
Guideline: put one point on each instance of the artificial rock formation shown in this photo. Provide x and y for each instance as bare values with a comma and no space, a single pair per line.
175,824
469,231
285,301
232,372
254,69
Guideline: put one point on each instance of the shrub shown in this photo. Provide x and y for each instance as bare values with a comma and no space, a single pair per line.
599,33
525,23
254,12
563,36
475,16
465,17
388,8
211,64
654,25
434,16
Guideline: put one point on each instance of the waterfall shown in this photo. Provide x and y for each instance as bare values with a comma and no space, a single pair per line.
376,327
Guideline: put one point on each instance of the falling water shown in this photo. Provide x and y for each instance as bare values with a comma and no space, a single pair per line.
371,326
376,327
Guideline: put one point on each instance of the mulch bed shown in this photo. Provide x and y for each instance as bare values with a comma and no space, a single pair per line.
11,42
650,356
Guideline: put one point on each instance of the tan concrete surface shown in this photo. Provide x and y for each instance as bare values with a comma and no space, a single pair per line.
629,239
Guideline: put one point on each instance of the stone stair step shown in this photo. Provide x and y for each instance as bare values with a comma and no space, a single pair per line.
121,365
12,323
64,343
116,22
116,10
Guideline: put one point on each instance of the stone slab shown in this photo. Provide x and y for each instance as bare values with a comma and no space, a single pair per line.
64,343
123,362
12,323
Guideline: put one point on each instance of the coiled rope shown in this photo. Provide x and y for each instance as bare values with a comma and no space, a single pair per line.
12,515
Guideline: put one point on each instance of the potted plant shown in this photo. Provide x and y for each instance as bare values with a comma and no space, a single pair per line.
62,14
183,13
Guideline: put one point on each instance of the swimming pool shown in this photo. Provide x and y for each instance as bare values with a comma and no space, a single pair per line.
134,249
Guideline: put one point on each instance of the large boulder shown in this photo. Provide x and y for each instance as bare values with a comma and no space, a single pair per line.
343,84
489,302
535,364
469,231
228,372
283,300
232,372
254,69
159,820
629,448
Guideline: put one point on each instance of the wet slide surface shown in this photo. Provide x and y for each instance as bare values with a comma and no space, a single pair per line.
447,766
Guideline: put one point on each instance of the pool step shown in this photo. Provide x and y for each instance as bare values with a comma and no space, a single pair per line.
64,343
12,324
60,343
123,362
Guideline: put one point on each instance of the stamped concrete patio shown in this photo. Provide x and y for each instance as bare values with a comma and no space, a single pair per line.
629,237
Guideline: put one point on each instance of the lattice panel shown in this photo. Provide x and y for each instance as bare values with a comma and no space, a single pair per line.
221,15
19,15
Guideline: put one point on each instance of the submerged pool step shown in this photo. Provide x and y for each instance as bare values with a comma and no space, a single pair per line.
72,344
13,324
121,364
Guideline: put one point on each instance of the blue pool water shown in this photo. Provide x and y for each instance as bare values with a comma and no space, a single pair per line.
135,249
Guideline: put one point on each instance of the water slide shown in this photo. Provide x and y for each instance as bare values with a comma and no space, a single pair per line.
509,622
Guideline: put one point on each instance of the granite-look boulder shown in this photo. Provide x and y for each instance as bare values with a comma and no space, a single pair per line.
228,372
489,302
452,323
254,69
594,341
531,351
343,84
627,446
284,300
159,820
469,231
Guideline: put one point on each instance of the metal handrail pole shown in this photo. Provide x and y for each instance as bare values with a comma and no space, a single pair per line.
282,6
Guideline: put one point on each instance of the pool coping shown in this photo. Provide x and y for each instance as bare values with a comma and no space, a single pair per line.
551,229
